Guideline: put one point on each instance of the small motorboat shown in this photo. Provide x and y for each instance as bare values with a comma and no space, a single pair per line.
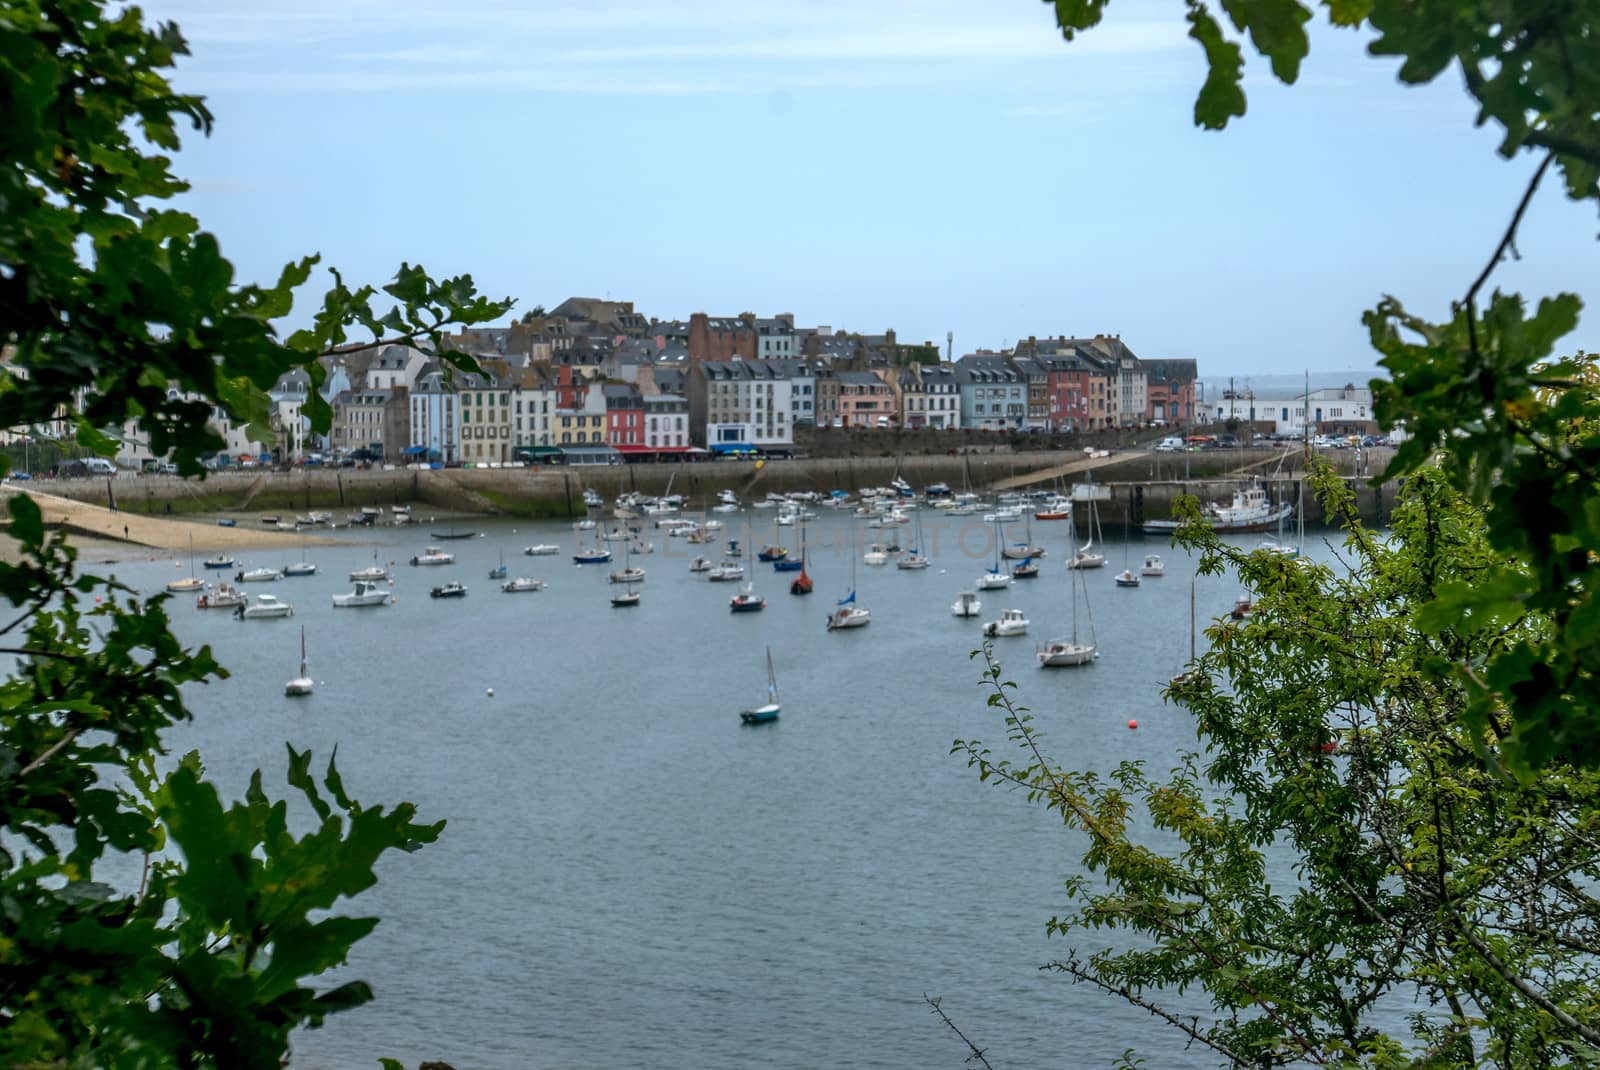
788,565
520,584
849,617
259,575
1012,623
994,580
877,554
270,520
586,525
772,553
1241,607
700,564
624,598
221,597
594,555
227,522
373,574
265,607
434,556
747,601
320,518
300,568
1054,514
366,594
453,589
727,572
542,549
1153,566
220,561
633,574
966,605
1127,578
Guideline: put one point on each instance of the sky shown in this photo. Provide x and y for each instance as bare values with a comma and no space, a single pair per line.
932,166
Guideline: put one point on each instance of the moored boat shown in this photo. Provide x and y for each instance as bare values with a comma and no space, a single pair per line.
453,589
521,584
966,605
221,596
302,684
1153,566
1250,510
220,561
769,711
265,607
1127,578
300,568
367,593
700,564
1012,622
541,549
259,575
434,556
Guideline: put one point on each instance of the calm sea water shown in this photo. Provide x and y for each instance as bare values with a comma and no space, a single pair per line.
630,878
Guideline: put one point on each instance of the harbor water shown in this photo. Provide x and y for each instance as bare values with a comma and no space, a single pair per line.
629,877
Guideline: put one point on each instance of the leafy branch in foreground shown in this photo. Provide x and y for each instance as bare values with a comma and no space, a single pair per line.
1340,846
115,309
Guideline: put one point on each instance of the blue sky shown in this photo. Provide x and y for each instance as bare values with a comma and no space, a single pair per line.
926,165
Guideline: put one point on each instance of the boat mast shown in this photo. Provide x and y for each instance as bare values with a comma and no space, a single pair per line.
772,678
302,651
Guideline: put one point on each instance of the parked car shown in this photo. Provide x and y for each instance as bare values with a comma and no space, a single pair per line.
1170,444
1227,442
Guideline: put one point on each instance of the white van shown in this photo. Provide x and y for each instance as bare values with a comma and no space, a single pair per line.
1170,444
99,466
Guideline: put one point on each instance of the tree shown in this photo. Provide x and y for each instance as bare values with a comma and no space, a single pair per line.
118,309
1341,846
1520,429
1397,792
535,313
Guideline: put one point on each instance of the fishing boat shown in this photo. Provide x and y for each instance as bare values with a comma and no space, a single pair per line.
700,564
367,593
541,549
1012,623
1250,510
877,554
846,613
772,553
966,605
1065,653
221,596
434,556
1127,578
265,607
768,712
1025,570
191,582
1153,566
996,577
259,575
453,589
300,685
220,561
727,572
521,584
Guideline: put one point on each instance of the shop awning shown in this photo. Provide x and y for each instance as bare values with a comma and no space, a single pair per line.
723,448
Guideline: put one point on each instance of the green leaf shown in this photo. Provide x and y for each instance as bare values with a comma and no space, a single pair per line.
1221,97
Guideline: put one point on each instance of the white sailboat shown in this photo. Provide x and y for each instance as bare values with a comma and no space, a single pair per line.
191,582
997,577
768,712
300,685
1086,556
1064,653
629,573
847,614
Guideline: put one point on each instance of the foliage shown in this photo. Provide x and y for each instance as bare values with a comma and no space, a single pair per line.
1518,426
1340,872
120,310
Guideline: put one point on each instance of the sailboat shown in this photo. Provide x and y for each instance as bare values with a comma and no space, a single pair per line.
627,594
1127,577
594,553
769,712
301,567
747,601
996,577
1188,674
499,571
1024,549
848,614
191,582
1085,556
914,558
1064,653
300,685
802,582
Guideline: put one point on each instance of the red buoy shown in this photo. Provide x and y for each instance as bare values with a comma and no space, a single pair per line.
1133,724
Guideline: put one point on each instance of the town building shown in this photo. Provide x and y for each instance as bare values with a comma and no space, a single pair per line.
740,403
666,422
994,394
435,419
624,415
723,337
865,400
1170,390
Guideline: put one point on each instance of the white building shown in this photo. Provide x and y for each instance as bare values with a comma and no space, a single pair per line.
396,366
533,404
1339,409
666,421
744,402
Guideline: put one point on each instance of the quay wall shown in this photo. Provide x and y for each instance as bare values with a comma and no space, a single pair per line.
1141,487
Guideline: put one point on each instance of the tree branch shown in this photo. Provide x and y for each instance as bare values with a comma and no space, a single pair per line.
1507,241
1190,1028
54,749
977,1052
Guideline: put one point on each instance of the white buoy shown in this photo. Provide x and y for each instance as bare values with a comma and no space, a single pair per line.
490,692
